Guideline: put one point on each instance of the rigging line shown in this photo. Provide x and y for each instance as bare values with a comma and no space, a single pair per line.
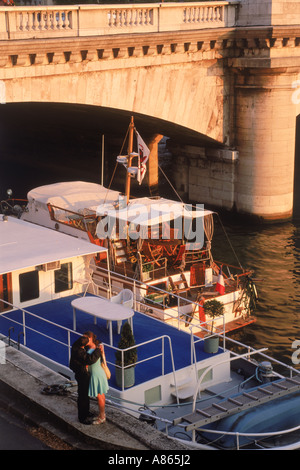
170,184
230,242
108,188
111,178
113,175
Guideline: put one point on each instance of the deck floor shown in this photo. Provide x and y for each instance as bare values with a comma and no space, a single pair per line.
60,312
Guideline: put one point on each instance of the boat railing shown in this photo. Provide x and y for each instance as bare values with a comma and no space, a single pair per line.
111,284
150,272
80,220
26,327
164,338
162,272
13,206
221,433
238,274
146,413
241,434
234,357
258,437
174,314
233,345
70,333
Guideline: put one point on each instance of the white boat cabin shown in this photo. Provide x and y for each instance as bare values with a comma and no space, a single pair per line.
66,206
38,264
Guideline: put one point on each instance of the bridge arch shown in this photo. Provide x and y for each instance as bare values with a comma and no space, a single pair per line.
45,142
187,94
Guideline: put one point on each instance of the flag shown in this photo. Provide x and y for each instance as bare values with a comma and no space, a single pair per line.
144,153
220,287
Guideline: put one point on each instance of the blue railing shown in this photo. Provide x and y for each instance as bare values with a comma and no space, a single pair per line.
62,342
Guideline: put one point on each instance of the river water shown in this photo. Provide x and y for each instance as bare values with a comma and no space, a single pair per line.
273,253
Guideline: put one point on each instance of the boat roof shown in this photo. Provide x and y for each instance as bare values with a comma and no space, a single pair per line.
73,195
147,211
24,244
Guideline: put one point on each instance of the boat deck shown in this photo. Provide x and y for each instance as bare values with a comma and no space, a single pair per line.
60,312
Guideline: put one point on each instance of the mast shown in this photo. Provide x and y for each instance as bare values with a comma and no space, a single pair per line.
129,158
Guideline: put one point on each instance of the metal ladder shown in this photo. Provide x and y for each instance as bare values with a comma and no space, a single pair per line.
238,403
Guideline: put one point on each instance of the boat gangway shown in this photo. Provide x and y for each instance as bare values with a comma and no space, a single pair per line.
240,402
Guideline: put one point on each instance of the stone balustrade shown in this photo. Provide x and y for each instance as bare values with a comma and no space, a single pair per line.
30,22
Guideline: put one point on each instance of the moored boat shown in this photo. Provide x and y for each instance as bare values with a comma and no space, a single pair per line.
164,244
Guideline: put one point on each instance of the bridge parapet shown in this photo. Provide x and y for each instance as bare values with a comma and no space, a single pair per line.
28,22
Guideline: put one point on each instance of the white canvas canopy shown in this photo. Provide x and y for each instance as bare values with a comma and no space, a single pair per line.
150,212
72,195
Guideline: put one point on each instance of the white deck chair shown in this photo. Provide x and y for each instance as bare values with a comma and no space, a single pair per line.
125,298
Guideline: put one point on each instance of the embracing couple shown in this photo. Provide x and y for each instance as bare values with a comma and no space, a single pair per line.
86,356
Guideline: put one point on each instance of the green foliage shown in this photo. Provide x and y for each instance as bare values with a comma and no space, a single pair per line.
126,341
213,308
147,267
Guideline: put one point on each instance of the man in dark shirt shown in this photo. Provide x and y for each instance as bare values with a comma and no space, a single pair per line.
79,361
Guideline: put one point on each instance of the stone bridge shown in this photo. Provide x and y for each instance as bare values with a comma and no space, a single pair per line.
223,75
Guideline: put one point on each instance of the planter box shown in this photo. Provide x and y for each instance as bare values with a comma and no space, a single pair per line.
211,344
129,377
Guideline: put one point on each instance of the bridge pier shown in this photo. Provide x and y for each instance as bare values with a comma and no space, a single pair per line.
256,178
205,175
265,137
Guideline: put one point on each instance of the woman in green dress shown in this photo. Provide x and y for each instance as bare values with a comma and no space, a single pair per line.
98,383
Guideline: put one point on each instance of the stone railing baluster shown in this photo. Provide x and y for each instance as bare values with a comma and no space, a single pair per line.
90,20
30,21
47,15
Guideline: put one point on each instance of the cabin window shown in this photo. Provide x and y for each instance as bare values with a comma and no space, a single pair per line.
63,278
207,376
152,395
29,286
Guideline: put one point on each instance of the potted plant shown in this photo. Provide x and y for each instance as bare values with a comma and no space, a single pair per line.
146,268
126,358
213,308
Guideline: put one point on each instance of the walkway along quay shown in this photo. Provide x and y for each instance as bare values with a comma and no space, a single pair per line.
23,381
